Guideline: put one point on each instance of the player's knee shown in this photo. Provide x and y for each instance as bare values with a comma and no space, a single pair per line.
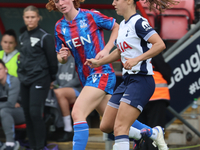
77,115
58,93
73,114
106,128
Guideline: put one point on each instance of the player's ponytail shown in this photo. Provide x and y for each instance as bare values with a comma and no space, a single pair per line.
161,4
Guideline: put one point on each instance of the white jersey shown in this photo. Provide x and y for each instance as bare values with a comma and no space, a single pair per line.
132,42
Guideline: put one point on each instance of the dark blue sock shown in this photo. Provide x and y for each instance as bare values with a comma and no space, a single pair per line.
81,134
121,142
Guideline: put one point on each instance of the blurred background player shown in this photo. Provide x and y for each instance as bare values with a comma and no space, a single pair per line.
80,32
37,68
137,43
11,112
103,77
9,54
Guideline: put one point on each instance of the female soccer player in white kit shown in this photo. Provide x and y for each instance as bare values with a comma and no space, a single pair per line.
137,43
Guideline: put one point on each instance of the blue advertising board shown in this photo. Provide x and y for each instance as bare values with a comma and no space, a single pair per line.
185,80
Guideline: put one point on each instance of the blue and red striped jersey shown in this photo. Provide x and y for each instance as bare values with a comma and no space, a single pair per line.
84,37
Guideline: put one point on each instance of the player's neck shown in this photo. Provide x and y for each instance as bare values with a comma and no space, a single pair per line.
71,14
128,14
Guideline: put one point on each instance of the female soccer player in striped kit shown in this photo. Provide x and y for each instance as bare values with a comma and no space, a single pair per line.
80,32
137,43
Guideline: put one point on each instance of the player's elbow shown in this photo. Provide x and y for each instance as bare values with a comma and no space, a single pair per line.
116,26
162,46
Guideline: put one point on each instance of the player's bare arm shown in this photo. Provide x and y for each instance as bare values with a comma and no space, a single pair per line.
157,46
110,43
113,56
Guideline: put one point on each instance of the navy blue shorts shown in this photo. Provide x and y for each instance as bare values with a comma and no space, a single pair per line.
135,90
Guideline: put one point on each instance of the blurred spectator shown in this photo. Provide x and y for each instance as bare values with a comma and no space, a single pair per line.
37,68
154,113
10,111
68,90
9,54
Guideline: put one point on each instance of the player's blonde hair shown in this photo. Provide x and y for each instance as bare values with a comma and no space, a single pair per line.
51,5
32,8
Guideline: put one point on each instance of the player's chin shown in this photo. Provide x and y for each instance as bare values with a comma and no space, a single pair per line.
118,12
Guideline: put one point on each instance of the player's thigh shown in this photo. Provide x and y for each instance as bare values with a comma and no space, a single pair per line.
67,93
18,115
87,101
126,115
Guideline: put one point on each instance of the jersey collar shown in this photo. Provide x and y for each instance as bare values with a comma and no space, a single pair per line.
131,17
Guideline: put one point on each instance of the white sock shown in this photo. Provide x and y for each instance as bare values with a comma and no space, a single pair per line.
154,134
121,146
10,144
134,133
67,123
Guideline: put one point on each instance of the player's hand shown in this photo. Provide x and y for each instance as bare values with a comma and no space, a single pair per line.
51,85
64,52
102,54
92,63
130,62
17,105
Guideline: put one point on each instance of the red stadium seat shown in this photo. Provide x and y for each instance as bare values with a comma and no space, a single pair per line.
175,22
186,7
21,126
173,27
20,132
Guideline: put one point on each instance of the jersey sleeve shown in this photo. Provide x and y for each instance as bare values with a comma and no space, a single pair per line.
102,20
143,29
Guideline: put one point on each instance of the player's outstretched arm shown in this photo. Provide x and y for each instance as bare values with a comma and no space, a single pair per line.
113,56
